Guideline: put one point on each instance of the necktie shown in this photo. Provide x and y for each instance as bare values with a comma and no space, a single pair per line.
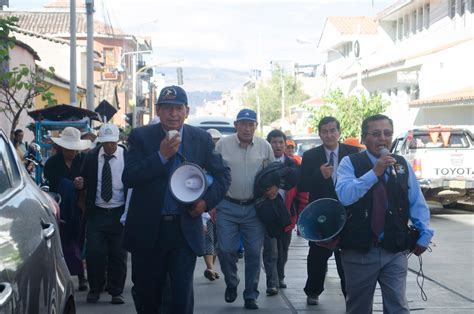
106,189
331,158
379,206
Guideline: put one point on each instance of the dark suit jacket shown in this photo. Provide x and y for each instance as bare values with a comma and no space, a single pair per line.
312,179
149,178
89,173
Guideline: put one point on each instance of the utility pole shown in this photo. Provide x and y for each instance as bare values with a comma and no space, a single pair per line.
282,96
90,54
72,56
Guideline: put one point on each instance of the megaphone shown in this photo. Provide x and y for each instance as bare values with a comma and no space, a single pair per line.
322,220
189,182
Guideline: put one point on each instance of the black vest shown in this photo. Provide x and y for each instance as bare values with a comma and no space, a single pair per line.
357,233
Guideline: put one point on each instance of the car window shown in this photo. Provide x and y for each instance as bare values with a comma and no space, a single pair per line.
9,173
439,140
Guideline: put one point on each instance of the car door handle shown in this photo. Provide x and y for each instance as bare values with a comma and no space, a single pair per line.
48,230
6,293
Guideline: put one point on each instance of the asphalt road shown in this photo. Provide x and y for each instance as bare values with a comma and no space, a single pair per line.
448,284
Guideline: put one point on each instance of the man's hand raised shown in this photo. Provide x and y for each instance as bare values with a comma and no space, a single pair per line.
198,208
170,146
326,170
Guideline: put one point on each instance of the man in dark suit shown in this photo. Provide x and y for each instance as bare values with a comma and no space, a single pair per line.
318,177
105,199
164,235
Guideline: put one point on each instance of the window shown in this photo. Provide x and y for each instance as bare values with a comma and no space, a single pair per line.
452,8
463,7
420,19
9,172
413,22
400,28
427,16
406,22
347,49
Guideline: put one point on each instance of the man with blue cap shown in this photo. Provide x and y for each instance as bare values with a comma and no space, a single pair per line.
245,154
163,234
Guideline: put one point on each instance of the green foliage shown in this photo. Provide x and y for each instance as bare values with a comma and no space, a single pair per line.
349,110
270,93
20,85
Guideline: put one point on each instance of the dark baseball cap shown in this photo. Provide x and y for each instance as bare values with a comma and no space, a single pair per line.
172,95
246,114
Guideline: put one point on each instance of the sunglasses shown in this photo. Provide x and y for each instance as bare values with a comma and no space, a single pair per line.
378,133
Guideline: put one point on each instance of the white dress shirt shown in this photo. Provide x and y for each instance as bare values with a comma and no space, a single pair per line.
116,166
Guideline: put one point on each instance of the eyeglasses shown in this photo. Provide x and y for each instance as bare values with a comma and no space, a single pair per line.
378,133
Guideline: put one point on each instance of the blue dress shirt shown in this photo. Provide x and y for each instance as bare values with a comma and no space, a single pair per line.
350,189
170,205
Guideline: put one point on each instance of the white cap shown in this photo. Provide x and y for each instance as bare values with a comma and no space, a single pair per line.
215,134
108,133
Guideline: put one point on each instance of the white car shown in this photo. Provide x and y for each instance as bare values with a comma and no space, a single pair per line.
222,124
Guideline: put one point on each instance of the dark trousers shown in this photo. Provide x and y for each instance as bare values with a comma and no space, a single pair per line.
283,243
317,266
172,257
104,250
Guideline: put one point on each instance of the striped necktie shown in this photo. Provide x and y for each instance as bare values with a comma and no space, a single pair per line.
106,188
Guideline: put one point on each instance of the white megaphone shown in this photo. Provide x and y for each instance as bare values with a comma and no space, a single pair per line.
189,182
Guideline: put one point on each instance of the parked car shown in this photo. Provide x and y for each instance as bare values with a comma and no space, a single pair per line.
222,124
443,161
33,274
305,142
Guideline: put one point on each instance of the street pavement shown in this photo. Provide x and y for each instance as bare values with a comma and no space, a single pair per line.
449,282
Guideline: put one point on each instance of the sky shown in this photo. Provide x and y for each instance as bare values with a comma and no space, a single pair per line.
232,34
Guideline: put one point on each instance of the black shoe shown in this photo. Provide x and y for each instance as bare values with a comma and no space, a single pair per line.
230,294
93,297
82,284
240,255
117,299
251,304
272,291
282,284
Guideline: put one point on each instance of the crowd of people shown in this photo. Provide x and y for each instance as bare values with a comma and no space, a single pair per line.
117,199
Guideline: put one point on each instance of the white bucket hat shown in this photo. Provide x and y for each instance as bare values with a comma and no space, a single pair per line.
215,134
108,133
70,138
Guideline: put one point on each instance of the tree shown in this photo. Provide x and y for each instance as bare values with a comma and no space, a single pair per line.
270,92
20,85
349,110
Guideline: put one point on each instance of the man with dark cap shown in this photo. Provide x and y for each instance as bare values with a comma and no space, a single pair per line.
164,235
246,155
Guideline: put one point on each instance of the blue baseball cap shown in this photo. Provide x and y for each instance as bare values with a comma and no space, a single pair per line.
246,114
172,95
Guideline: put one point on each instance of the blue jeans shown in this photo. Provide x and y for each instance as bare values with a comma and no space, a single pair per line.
232,221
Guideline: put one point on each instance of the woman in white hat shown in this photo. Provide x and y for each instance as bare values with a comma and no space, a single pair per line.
60,170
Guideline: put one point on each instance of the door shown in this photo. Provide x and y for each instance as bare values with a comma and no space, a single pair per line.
25,238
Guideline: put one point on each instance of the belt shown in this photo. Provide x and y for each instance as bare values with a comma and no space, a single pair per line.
110,208
240,202
169,218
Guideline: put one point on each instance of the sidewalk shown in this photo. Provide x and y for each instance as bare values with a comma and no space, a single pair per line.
209,296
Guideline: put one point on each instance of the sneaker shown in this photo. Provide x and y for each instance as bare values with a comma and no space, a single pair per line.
117,299
282,284
93,297
312,300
